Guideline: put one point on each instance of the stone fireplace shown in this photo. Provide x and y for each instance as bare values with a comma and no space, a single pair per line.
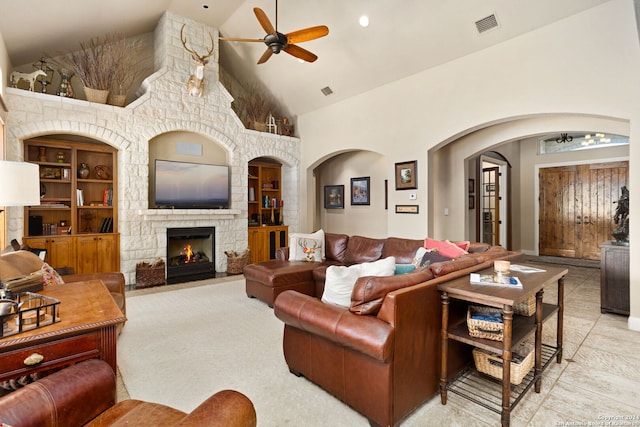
162,106
190,254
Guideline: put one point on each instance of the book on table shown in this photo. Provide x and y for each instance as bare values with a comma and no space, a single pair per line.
492,280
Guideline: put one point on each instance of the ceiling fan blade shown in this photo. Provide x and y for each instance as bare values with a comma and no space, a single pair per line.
265,56
299,52
264,20
307,34
235,39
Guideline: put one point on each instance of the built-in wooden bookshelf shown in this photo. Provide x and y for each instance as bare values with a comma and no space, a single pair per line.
77,220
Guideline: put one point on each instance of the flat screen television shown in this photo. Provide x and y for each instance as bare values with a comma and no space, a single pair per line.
191,185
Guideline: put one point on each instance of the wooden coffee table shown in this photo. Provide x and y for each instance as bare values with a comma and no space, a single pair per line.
86,330
516,329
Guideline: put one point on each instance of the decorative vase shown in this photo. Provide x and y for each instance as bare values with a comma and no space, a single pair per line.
42,154
83,171
65,89
96,95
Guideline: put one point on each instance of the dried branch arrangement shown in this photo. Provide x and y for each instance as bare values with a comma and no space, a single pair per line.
110,63
95,62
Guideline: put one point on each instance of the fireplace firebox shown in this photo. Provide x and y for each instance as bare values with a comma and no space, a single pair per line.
190,254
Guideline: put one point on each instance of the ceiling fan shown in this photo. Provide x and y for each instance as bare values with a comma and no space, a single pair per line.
277,41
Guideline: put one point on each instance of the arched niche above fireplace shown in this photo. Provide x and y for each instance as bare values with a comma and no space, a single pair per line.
183,146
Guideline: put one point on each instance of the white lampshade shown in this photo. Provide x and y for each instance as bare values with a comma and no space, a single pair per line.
19,184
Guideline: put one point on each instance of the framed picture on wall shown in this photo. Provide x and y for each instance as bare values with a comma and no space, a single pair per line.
360,191
472,186
406,175
334,196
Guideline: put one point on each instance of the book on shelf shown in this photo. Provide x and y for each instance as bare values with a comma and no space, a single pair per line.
491,280
106,226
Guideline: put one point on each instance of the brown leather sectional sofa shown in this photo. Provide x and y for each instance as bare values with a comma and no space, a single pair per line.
381,356
84,395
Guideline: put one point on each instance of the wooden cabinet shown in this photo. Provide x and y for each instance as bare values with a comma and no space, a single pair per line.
60,249
265,196
614,278
266,230
78,183
264,241
97,253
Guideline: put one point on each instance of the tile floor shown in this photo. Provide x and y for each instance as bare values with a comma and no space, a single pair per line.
597,383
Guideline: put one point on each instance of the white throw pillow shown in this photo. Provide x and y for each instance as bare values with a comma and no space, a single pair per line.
382,267
313,243
340,280
339,284
417,259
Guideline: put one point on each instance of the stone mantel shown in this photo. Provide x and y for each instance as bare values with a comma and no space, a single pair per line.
187,214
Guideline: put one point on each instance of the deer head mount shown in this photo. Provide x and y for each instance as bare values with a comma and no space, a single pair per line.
195,84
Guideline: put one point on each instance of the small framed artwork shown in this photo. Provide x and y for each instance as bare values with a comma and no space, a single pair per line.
360,191
472,186
334,196
406,175
472,202
408,209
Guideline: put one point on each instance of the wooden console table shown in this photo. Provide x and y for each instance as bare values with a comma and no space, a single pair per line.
476,387
86,330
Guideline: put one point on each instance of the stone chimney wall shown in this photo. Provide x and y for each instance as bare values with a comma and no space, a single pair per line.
163,106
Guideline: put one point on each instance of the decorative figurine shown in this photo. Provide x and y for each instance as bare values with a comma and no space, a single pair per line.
621,217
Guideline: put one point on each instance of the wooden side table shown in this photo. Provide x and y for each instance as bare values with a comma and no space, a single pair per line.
472,385
86,330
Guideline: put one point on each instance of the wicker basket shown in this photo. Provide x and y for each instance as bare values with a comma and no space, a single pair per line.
149,275
527,307
484,328
491,364
236,262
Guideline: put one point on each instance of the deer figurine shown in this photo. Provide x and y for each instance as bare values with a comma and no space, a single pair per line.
195,84
309,252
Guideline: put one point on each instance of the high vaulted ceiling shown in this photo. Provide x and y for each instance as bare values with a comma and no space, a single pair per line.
403,38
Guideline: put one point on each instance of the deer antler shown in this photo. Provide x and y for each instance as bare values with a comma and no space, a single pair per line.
198,58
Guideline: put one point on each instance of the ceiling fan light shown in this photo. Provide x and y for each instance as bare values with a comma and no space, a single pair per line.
364,21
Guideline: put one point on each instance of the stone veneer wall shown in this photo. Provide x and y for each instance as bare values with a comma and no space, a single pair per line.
163,107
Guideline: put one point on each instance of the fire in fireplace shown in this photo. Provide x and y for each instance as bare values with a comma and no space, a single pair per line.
190,254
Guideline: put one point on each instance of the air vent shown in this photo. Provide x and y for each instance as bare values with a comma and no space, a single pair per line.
486,24
326,91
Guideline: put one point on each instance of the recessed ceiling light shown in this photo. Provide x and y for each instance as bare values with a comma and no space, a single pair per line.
364,21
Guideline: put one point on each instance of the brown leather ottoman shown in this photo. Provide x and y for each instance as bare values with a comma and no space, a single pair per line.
266,280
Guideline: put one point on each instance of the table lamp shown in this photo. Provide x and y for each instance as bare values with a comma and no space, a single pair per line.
19,184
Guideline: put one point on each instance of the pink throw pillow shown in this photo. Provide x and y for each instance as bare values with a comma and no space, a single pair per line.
444,247
463,245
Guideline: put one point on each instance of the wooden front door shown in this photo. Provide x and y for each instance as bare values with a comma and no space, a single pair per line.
577,204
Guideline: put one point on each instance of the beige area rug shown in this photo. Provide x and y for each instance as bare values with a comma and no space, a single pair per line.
178,347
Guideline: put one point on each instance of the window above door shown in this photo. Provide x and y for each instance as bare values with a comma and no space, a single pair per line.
574,141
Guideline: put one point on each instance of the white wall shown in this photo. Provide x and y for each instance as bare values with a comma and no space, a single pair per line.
365,220
586,65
